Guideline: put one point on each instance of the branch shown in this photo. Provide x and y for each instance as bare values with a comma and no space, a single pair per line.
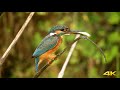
46,66
3,58
61,73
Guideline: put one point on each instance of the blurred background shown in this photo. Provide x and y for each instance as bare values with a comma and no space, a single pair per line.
86,60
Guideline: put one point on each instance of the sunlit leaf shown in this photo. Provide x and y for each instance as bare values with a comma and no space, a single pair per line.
42,13
93,18
114,37
113,17
93,73
36,39
112,53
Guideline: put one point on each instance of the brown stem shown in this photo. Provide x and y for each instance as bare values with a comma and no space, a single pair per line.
61,73
3,58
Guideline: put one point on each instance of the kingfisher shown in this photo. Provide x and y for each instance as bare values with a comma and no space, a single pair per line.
50,44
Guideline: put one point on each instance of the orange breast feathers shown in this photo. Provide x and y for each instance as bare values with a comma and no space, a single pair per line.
49,54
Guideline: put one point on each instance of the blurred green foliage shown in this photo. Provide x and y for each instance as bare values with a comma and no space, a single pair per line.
86,60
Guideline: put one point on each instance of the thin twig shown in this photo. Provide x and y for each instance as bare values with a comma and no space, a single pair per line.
61,73
46,66
84,36
3,58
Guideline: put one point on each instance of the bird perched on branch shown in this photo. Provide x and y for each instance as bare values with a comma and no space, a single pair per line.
50,44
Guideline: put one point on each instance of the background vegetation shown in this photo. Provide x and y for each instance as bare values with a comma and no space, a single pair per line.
86,60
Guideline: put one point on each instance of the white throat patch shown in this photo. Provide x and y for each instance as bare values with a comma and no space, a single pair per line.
51,34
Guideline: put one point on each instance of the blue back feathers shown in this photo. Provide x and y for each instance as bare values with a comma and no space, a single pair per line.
47,43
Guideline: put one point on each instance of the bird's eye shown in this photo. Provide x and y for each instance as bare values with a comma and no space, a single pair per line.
62,29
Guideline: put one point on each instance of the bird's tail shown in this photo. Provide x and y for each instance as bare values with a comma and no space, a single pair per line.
36,63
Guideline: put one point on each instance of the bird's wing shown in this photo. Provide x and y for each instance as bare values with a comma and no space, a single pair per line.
47,43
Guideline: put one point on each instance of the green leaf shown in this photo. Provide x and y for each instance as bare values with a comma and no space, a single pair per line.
43,25
87,48
42,13
69,38
114,37
112,53
113,17
101,43
74,59
93,73
94,18
101,31
36,39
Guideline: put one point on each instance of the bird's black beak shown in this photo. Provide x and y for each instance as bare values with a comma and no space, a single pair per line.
73,32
